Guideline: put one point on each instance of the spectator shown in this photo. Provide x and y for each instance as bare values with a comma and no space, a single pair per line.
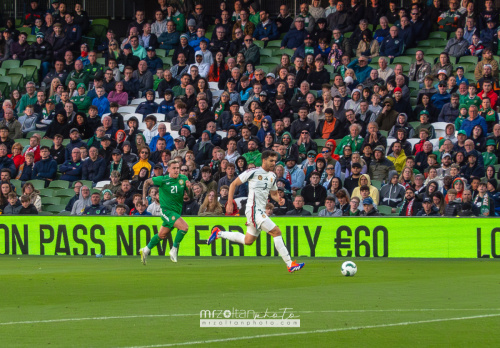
295,37
12,124
46,168
314,193
457,46
71,169
298,207
380,165
95,208
428,208
94,168
27,207
392,46
210,206
369,208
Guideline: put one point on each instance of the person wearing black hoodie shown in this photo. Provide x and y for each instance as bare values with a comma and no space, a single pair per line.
75,142
190,206
81,124
27,207
58,126
46,167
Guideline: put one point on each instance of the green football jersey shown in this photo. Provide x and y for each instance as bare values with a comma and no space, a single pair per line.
171,192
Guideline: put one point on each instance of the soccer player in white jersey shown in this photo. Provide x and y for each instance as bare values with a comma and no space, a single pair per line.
261,182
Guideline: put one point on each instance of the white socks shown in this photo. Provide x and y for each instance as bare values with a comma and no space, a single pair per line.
233,236
146,250
282,250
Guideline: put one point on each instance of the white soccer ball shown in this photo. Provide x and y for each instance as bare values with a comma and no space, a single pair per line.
348,269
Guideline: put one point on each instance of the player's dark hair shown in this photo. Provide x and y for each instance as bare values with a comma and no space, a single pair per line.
269,153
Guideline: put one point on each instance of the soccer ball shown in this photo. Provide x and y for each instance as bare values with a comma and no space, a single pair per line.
348,269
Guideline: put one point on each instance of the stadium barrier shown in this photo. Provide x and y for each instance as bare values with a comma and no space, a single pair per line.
304,237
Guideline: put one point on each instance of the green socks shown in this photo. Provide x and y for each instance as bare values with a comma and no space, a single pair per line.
155,240
178,238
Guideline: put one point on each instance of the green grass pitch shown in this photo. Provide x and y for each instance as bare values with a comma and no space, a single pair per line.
117,302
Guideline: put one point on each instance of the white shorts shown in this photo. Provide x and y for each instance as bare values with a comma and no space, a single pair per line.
258,222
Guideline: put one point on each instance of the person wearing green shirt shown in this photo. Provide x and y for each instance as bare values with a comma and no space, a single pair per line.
137,50
29,98
253,155
463,113
78,75
353,139
254,14
489,157
171,189
178,18
471,98
93,67
81,100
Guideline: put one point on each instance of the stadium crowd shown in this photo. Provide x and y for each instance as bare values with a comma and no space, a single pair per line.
359,131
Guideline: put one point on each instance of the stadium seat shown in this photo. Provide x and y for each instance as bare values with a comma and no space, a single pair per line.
38,184
321,208
259,43
55,208
270,60
87,183
59,184
414,85
45,213
46,193
64,193
127,109
438,35
402,60
411,51
309,208
17,184
22,141
51,200
266,52
288,51
100,21
11,64
384,210
468,59
45,142
101,61
377,183
274,43
101,184
137,101
160,52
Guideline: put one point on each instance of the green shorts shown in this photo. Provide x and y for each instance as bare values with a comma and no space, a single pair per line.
169,218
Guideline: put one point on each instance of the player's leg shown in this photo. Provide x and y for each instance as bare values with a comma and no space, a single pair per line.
236,237
275,232
182,228
162,234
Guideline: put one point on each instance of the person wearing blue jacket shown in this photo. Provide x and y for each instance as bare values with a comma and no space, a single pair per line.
361,68
441,98
169,40
152,60
392,46
162,132
266,127
295,37
101,102
46,168
474,119
266,30
72,169
94,167
149,106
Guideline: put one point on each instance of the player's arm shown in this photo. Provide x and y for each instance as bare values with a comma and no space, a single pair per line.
232,188
275,196
147,184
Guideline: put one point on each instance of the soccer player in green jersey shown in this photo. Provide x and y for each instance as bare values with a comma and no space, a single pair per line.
171,187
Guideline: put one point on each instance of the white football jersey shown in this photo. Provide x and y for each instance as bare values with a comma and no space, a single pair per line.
260,182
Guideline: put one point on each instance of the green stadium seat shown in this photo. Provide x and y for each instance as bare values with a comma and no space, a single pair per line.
100,21
414,85
424,43
403,60
42,133
17,80
320,142
38,184
160,52
274,43
270,60
377,183
259,43
280,52
46,193
4,87
384,210
3,72
30,39
33,62
51,200
45,213
348,34
66,142
17,184
266,52
468,59
11,64
45,142
90,41
411,51
59,184
101,61
438,42
26,30
384,132
330,68
309,208
65,200
55,208
64,193
438,35
22,141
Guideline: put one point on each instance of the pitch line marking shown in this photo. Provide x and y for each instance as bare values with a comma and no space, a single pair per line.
404,323
62,320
